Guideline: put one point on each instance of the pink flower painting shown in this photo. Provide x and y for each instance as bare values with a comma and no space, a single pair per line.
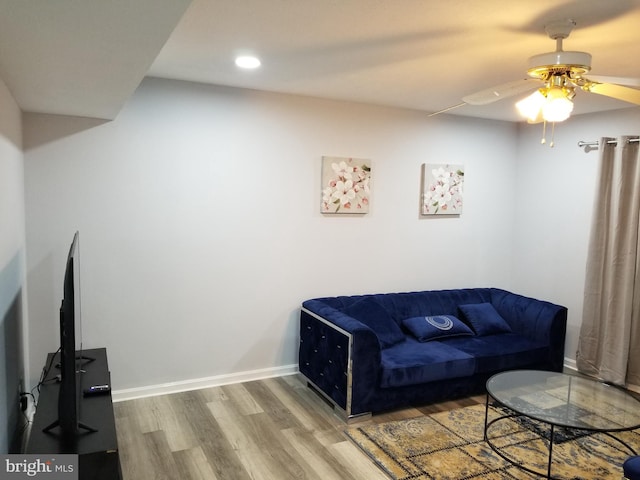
442,189
345,185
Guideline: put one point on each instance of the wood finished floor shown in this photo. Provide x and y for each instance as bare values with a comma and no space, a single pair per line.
274,429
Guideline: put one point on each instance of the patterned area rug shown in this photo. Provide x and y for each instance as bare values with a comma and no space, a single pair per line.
450,446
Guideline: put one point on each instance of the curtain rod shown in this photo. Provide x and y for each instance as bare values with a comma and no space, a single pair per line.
595,144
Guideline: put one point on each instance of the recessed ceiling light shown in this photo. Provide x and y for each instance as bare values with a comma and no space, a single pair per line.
247,61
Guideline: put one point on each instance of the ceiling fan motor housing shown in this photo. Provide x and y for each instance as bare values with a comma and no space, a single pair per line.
573,64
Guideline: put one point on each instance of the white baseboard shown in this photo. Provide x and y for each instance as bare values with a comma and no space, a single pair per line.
570,364
226,379
198,383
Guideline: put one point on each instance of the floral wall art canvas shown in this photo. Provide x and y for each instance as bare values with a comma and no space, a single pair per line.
442,189
346,186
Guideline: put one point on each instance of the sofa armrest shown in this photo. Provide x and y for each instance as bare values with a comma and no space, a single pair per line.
339,355
537,319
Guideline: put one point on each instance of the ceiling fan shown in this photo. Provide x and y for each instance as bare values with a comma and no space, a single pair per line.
556,76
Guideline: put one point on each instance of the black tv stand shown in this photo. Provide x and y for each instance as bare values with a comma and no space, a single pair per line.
97,445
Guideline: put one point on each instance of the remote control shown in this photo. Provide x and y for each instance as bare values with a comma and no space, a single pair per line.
97,390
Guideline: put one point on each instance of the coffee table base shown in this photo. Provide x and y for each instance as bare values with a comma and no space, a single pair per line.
487,425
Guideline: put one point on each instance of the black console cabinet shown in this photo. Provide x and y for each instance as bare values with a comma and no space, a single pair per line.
97,451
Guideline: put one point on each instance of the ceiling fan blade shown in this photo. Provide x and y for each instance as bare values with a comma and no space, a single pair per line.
619,92
493,94
433,114
629,82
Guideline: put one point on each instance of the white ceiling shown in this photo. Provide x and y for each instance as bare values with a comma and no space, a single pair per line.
81,57
87,57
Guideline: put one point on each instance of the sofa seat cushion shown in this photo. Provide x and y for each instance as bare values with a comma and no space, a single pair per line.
502,351
412,362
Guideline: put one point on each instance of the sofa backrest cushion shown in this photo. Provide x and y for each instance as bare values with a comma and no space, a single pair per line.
435,327
433,302
484,319
372,314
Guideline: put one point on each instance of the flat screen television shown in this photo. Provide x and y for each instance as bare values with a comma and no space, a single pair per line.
71,359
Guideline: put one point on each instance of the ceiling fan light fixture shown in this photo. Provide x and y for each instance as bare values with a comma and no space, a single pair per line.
551,103
557,107
530,106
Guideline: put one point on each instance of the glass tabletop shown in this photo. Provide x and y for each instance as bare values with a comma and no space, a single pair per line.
566,400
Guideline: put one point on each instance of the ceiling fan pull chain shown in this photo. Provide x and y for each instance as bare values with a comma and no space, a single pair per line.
553,132
543,140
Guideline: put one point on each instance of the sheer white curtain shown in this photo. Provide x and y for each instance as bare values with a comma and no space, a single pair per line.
609,343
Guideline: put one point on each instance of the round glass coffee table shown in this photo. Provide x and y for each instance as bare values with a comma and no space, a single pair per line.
555,399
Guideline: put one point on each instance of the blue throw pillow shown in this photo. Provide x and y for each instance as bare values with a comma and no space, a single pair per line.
436,327
484,319
373,315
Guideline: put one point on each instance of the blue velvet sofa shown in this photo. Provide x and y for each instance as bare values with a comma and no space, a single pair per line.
372,353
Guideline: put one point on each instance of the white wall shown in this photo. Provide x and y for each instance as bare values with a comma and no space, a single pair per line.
12,266
556,188
198,210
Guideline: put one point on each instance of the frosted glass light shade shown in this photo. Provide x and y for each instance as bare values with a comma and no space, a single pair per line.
557,107
530,106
